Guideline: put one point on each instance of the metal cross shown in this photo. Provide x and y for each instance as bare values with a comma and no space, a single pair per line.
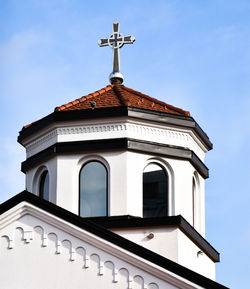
116,40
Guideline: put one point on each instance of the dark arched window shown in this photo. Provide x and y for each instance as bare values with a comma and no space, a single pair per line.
155,191
93,199
193,200
44,186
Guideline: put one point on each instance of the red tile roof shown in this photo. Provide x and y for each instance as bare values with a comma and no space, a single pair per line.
120,95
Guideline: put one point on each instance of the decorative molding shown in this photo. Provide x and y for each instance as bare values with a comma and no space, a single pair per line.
116,112
115,274
44,240
10,241
28,236
185,138
28,204
58,247
41,140
86,261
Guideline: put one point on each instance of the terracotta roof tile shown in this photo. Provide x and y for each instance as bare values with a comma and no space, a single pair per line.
120,95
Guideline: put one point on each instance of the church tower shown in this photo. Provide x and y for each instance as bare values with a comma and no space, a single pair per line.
128,162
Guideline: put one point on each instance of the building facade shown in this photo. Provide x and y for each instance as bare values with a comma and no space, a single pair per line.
115,196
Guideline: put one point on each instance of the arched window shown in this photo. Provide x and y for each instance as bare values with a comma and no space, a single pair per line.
193,201
44,186
93,199
155,191
196,207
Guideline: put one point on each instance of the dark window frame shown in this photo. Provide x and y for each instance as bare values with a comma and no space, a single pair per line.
107,186
167,186
41,184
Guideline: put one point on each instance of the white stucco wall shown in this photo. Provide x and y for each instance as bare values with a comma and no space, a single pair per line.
173,244
36,254
191,256
125,182
125,172
125,198
164,241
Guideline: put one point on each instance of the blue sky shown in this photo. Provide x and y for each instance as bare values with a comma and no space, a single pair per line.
191,54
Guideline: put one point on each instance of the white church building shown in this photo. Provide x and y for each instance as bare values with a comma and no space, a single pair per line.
115,196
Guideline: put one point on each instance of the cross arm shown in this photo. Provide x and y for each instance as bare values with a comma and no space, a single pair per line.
129,39
116,26
103,42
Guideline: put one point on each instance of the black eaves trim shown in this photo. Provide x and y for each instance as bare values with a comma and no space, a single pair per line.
111,237
61,116
174,119
120,111
128,221
121,144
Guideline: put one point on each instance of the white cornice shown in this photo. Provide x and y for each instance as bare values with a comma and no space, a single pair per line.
133,129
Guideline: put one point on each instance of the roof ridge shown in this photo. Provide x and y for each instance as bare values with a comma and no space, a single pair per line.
84,98
122,99
156,100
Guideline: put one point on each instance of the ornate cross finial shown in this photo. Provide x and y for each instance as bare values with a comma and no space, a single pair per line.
116,40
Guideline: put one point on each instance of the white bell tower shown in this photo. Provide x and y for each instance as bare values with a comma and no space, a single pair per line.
129,162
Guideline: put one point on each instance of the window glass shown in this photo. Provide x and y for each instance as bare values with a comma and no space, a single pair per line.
155,191
44,186
93,190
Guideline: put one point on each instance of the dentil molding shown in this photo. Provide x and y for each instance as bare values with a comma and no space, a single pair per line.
112,130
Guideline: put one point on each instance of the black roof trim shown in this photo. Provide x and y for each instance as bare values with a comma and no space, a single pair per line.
142,113
119,143
111,237
72,147
172,119
170,151
60,116
128,221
